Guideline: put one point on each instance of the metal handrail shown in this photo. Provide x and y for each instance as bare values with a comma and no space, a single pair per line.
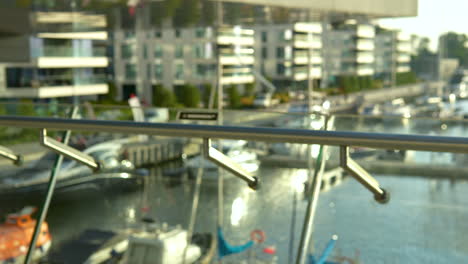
332,138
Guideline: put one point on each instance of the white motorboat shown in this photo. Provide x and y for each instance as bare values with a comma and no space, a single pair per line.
397,108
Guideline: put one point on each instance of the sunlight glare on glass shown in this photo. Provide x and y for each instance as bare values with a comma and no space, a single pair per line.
238,211
298,180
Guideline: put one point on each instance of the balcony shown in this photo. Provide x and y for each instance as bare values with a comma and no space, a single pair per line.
404,58
308,27
403,68
72,62
365,31
237,77
60,51
236,60
63,85
364,44
364,58
232,39
300,58
404,47
302,42
364,70
300,73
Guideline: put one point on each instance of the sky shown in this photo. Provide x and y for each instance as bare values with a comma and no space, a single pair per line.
435,17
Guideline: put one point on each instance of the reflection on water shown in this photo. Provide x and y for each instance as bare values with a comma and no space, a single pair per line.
423,223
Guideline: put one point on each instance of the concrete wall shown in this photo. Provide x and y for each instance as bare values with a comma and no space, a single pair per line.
14,21
15,49
374,8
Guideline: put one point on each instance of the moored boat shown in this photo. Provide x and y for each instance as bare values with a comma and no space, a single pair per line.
16,234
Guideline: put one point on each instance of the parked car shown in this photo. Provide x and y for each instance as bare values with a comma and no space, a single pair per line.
157,115
265,100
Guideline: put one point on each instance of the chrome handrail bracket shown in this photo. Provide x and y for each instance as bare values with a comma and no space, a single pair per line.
68,151
362,176
9,154
226,163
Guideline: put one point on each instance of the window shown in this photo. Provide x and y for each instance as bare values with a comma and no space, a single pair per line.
200,32
19,77
280,69
200,70
129,35
264,52
158,34
158,51
179,71
264,36
158,71
130,71
145,51
285,35
178,33
148,70
127,51
280,53
179,51
198,51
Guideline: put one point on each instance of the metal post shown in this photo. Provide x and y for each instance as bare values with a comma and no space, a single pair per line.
292,229
50,193
307,228
314,191
394,58
193,213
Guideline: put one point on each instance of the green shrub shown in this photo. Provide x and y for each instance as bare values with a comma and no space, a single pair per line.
234,97
162,97
249,90
188,95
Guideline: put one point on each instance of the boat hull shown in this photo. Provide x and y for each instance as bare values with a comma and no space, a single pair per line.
78,186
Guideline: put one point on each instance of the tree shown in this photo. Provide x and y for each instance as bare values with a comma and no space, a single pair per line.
403,78
452,45
207,90
234,97
110,95
354,84
163,97
188,13
249,89
188,95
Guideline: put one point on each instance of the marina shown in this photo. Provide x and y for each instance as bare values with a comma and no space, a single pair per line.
440,189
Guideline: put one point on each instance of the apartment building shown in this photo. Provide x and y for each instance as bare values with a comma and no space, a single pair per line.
178,56
286,52
349,50
54,54
392,54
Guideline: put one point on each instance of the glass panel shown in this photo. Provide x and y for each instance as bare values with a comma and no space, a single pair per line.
179,51
158,51
158,71
130,71
127,51
179,71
